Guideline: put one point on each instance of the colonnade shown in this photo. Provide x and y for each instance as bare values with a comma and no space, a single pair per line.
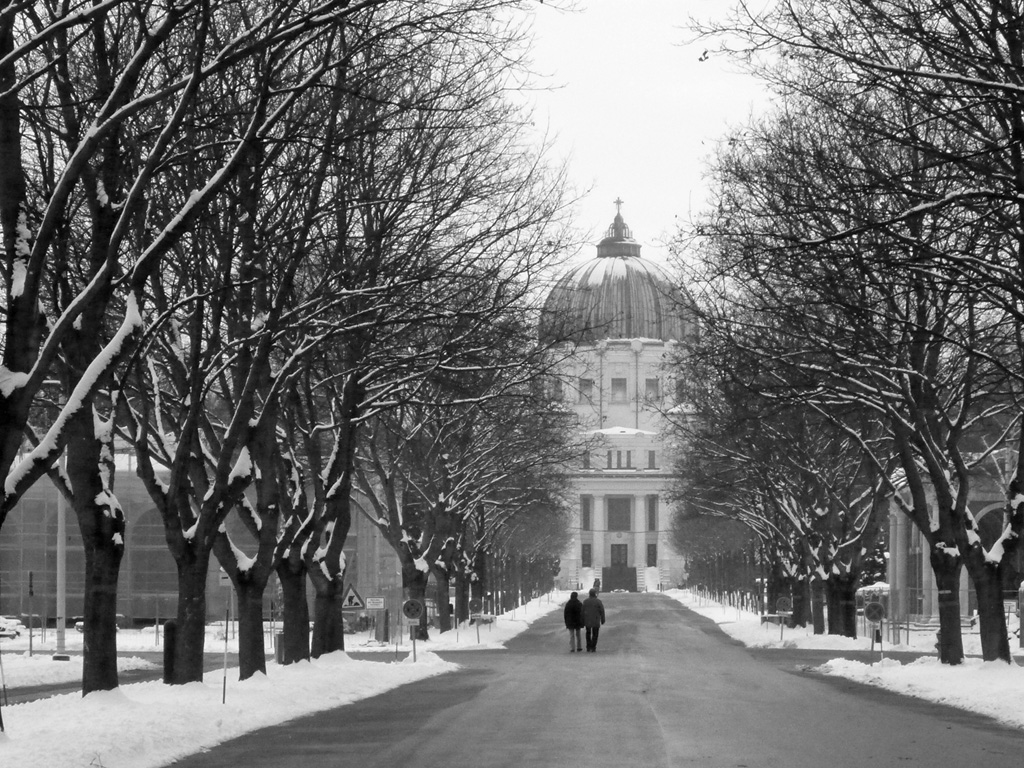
636,539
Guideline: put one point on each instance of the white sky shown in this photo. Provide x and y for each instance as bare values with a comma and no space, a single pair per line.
145,725
635,108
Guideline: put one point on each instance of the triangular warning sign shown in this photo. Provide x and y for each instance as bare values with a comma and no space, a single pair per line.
352,599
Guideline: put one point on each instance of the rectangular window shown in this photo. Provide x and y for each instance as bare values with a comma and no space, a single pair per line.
618,514
586,512
557,392
609,459
618,459
652,555
619,390
652,513
682,391
652,461
652,389
586,460
586,387
586,558
629,459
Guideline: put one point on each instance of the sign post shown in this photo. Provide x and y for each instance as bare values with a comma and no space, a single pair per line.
475,607
875,613
783,607
1020,609
412,610
224,689
31,615
380,617
351,601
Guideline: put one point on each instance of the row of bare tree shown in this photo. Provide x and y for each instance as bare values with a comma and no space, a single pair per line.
773,484
282,251
864,289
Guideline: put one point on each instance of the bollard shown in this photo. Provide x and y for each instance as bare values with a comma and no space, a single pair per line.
170,640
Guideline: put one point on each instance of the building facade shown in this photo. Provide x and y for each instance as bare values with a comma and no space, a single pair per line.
621,319
912,592
147,589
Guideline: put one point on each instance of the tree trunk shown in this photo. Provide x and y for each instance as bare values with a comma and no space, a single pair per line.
841,594
801,609
99,617
778,586
818,605
947,579
444,616
191,618
507,585
480,581
515,578
328,618
988,586
500,585
415,583
461,597
252,657
102,528
295,610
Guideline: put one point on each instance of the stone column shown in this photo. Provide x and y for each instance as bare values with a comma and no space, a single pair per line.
899,546
965,593
929,592
600,523
640,535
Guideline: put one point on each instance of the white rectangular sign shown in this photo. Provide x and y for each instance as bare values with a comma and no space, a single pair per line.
375,603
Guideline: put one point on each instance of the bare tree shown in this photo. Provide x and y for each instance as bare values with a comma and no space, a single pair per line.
204,410
446,476
953,69
756,452
106,97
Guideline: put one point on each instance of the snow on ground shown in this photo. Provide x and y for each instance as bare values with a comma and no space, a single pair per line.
990,688
144,725
19,669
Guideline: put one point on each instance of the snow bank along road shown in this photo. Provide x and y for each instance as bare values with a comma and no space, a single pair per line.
666,688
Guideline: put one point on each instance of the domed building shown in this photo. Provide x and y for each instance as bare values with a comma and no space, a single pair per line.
622,316
616,295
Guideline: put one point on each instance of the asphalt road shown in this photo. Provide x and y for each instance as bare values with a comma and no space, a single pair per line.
665,688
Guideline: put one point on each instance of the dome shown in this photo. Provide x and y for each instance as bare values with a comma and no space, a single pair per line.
616,295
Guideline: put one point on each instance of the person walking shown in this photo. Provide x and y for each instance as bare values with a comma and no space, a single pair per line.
593,618
574,621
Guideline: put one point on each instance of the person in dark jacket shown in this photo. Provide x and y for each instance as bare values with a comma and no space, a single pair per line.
593,618
574,622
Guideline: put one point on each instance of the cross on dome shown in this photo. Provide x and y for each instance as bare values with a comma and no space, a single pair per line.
617,232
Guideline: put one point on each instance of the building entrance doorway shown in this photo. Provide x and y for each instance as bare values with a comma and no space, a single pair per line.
619,575
619,552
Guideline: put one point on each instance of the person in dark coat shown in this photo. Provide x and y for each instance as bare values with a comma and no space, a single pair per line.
574,622
593,618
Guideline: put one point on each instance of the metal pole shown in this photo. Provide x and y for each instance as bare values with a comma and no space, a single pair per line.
3,683
224,691
62,561
31,615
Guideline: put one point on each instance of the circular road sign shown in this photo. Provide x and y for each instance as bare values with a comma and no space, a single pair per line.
475,605
412,609
784,605
874,612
